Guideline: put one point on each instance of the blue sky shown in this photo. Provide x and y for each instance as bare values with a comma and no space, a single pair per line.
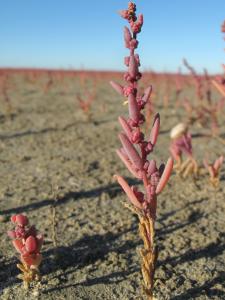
88,34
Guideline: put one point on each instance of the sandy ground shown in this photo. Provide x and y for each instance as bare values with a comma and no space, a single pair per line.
48,142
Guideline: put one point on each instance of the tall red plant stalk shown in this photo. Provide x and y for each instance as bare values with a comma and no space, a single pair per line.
179,87
197,80
135,150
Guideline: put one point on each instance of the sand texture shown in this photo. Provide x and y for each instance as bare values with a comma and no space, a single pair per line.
48,142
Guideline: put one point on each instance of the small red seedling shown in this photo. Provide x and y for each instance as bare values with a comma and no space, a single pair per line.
49,82
28,244
86,102
214,170
181,144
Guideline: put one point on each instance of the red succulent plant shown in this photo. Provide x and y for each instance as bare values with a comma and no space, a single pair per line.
28,244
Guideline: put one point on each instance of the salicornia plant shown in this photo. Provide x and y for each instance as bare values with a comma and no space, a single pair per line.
214,170
181,144
135,150
28,243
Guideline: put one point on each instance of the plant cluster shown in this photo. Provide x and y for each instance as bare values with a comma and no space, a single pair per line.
181,145
205,112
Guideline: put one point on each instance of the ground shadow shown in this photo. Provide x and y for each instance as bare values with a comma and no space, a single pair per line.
165,216
206,289
37,132
49,129
170,228
210,251
112,278
111,189
87,251
8,272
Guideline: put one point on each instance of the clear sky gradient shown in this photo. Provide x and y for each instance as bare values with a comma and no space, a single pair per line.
88,34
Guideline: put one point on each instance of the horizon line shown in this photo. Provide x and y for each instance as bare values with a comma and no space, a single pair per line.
57,69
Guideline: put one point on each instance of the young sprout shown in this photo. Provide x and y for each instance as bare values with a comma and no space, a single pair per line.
28,244
181,144
214,170
85,103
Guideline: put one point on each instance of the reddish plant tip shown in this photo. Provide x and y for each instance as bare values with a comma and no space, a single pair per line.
165,176
223,27
18,245
155,130
31,244
127,189
131,151
117,87
21,220
13,219
28,243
